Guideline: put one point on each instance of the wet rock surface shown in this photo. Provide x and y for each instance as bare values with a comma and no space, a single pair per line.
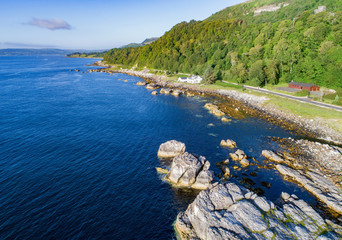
230,211
140,83
238,155
327,159
316,184
165,91
272,156
177,93
152,86
213,109
228,143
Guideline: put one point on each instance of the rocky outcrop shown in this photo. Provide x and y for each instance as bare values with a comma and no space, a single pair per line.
225,119
176,92
327,159
154,93
228,143
141,83
188,170
238,155
272,156
269,8
151,86
171,149
244,162
320,9
165,91
315,183
229,211
162,170
213,109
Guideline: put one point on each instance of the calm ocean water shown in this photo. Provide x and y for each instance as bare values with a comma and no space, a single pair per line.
78,152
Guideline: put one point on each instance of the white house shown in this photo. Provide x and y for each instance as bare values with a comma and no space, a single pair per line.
192,79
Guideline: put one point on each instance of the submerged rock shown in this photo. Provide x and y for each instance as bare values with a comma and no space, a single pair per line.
230,211
171,149
162,170
210,106
224,119
217,113
228,143
213,109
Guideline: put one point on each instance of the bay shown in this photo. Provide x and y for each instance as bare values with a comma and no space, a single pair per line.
78,152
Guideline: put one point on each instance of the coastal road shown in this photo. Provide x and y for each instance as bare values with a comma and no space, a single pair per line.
300,99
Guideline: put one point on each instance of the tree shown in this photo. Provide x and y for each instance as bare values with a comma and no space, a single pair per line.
209,76
240,73
281,53
256,73
271,72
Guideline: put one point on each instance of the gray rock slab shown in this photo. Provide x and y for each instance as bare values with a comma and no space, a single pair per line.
171,149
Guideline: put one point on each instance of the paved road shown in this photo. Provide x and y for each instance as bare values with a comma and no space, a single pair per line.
300,99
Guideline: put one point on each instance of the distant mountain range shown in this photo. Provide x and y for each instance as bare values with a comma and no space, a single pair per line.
28,52
42,51
101,54
145,42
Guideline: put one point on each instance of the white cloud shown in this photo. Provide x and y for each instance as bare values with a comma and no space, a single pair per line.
51,24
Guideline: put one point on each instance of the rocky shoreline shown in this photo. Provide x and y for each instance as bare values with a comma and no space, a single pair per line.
227,210
230,211
249,103
245,103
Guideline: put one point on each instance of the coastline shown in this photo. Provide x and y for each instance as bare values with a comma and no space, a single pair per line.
251,104
304,169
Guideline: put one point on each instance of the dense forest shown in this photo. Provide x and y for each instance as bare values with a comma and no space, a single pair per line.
246,46
87,54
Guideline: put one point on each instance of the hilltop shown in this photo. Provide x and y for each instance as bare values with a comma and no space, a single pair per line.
145,42
257,42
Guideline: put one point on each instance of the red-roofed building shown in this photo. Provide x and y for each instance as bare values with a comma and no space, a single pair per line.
308,86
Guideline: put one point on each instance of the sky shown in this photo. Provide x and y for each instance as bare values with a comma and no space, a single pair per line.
95,25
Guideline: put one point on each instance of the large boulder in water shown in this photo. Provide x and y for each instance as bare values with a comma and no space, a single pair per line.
228,143
184,169
171,149
188,170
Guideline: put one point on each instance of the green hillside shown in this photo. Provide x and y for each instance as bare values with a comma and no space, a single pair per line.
243,45
145,42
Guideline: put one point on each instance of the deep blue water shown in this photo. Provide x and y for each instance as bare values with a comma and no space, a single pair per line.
78,152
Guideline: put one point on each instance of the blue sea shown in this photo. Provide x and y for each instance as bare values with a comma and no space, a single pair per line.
78,152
